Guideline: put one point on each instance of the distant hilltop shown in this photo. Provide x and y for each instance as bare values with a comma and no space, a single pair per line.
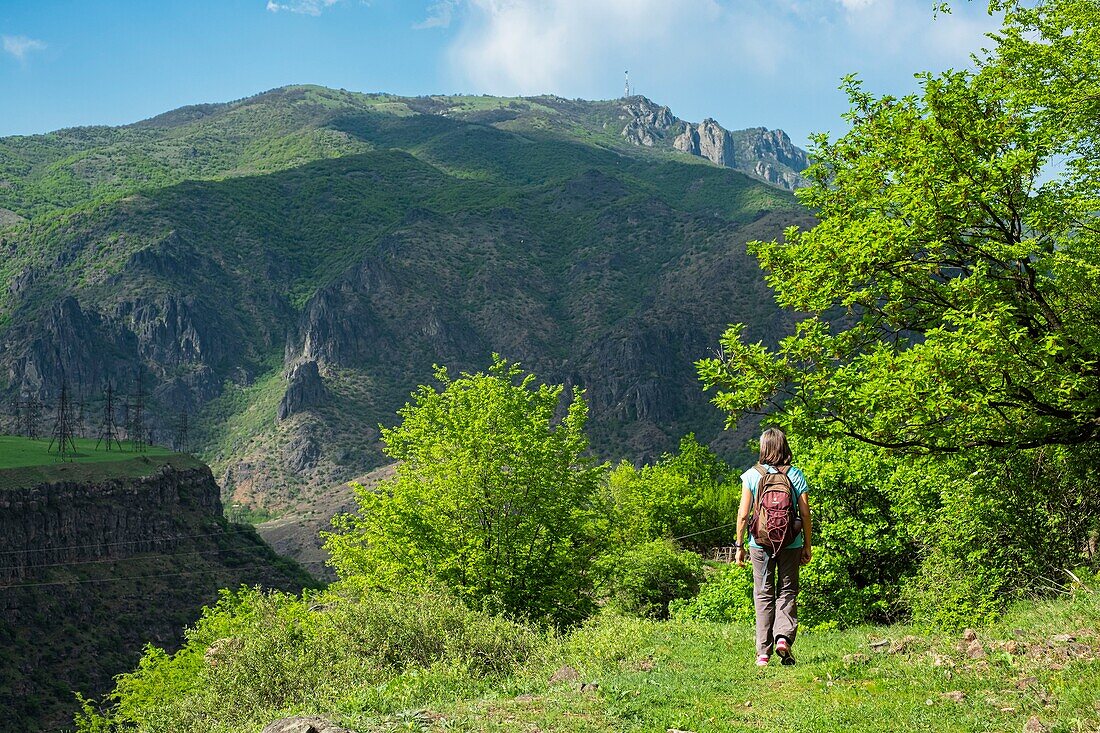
283,270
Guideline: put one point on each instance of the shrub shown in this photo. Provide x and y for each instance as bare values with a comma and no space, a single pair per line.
725,597
256,654
643,580
492,499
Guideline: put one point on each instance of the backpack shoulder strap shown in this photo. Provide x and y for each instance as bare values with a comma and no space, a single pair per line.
761,470
784,469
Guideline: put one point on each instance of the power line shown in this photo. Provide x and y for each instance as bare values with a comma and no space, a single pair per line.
139,556
124,542
158,575
704,531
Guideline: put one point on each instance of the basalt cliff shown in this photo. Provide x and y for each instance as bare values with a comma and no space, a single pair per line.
96,561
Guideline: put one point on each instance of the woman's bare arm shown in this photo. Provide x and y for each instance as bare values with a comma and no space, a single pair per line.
807,528
742,521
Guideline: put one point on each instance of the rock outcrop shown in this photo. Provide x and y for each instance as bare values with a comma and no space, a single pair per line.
709,140
305,390
92,570
68,522
646,121
765,154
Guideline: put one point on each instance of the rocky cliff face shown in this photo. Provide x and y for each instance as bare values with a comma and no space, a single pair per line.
709,140
765,154
646,122
67,522
91,571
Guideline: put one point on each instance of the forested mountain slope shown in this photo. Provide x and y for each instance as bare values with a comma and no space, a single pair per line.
285,269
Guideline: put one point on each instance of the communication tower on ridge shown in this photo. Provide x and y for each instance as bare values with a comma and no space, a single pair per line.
626,85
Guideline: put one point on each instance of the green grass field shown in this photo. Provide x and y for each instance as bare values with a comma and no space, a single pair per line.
699,677
26,462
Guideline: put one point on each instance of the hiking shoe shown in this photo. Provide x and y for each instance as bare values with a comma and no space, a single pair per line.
762,660
783,649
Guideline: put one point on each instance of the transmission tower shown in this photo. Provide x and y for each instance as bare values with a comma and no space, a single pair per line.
108,431
62,436
180,443
626,85
31,412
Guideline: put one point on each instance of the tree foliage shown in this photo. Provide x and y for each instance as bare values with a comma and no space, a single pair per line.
951,284
689,495
492,498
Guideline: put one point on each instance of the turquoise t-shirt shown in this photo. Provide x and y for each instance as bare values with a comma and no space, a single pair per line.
751,479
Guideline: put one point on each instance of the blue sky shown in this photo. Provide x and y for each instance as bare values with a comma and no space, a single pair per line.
744,62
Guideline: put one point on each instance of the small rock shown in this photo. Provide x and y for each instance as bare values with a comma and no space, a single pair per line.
565,674
304,725
856,658
748,703
955,695
590,687
1019,632
969,635
905,644
1079,649
1063,638
1034,725
929,701
1013,647
975,650
1027,682
525,698
881,645
677,730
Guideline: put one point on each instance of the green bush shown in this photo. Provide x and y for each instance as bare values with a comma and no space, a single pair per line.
644,580
255,655
725,597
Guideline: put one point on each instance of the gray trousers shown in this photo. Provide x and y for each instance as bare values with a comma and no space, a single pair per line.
776,601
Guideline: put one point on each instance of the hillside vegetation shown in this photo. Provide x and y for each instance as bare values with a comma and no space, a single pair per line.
214,250
388,662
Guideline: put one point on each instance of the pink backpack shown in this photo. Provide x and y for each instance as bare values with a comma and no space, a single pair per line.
775,521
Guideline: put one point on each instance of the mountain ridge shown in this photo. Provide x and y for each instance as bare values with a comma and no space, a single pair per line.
414,238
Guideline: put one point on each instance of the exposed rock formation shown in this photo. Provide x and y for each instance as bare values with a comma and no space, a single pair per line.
647,122
765,154
76,522
709,140
304,390
92,571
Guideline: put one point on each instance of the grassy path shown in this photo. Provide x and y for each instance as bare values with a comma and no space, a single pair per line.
1037,671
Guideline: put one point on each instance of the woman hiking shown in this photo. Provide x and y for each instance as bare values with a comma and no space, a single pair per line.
775,508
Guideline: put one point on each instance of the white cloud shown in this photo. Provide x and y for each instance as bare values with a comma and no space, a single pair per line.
20,46
579,47
440,15
306,7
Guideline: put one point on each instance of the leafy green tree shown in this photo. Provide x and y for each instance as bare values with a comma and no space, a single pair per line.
492,498
687,494
951,284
